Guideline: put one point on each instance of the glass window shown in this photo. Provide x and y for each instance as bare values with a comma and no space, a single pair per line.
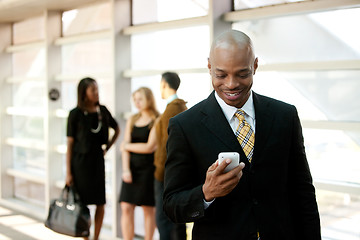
29,30
334,92
30,95
29,63
334,22
179,9
245,4
29,191
199,85
30,160
87,58
171,49
326,149
88,19
274,85
148,11
28,127
318,95
69,94
316,37
333,207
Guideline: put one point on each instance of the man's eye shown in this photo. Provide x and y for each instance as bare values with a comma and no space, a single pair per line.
220,76
245,75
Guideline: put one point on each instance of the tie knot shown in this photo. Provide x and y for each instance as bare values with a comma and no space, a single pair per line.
240,114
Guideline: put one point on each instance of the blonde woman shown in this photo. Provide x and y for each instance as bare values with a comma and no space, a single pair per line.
138,169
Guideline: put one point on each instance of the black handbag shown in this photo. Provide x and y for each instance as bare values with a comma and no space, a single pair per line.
67,215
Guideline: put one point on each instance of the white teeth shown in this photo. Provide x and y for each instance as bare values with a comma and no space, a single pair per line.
232,94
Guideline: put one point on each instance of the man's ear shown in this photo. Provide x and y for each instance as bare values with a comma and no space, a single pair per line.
209,65
166,85
255,65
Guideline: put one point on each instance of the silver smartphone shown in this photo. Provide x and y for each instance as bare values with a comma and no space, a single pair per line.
235,159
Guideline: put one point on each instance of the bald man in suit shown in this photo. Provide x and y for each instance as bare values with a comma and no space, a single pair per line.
270,194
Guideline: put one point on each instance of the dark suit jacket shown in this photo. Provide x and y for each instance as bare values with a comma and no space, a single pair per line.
275,194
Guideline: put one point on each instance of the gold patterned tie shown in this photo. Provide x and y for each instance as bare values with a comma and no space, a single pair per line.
245,135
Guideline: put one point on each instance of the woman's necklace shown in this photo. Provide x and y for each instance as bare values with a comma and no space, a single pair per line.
99,120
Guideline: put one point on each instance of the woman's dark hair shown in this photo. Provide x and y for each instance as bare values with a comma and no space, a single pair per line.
172,79
83,85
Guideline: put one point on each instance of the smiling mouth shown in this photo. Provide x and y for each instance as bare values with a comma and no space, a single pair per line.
232,94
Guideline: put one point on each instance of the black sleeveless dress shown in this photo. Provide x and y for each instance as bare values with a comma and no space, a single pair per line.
87,160
141,190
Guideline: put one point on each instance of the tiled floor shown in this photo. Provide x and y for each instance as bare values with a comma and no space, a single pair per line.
340,216
340,219
15,226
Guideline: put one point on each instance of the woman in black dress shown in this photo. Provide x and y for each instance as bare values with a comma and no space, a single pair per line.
87,142
138,169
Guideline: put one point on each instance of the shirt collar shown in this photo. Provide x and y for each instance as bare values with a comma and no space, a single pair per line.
229,111
171,98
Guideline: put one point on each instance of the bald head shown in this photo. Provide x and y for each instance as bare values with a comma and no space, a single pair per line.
232,64
231,40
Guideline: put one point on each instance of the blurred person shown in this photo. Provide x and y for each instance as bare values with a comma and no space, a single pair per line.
87,143
270,194
169,84
138,168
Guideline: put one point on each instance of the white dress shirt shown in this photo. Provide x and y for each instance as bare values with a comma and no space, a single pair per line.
229,112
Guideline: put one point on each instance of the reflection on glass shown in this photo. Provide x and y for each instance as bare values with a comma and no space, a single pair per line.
335,21
314,38
149,11
31,160
179,9
194,87
88,19
171,49
69,94
327,150
29,30
28,127
87,58
336,93
245,4
321,96
29,63
340,214
29,191
275,85
30,95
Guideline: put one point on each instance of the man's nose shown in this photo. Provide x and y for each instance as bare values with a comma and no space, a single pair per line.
231,82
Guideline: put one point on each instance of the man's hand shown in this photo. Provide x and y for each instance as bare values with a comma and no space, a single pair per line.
218,183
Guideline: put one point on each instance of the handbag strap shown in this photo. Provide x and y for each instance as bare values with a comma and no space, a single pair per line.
70,195
64,194
74,194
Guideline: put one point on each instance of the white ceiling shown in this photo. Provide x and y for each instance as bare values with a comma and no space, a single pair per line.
16,10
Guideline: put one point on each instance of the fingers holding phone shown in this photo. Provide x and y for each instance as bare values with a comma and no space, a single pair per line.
219,182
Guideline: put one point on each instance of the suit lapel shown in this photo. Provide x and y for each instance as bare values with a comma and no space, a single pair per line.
215,120
264,122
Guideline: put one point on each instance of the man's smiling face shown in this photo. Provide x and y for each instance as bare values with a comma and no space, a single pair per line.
232,68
